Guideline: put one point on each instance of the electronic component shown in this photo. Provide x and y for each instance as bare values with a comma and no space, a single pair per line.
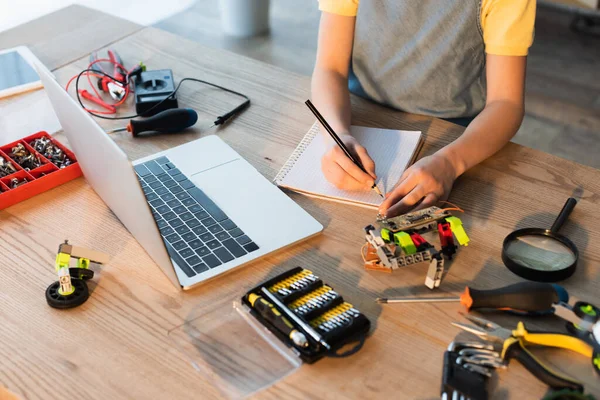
413,220
154,92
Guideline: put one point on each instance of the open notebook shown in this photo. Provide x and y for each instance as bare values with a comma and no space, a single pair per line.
393,151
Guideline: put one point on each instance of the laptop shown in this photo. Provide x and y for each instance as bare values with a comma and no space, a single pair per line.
199,209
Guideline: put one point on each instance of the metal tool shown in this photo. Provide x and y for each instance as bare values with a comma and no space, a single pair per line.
305,327
461,378
523,297
269,312
514,344
168,121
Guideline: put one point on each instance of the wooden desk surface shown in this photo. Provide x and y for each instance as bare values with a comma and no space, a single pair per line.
116,345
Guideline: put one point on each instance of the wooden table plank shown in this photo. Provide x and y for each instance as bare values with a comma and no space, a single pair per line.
116,345
67,34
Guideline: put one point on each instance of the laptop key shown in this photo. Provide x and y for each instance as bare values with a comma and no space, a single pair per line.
243,239
213,244
155,185
195,243
187,252
208,204
201,214
164,177
208,222
175,222
196,208
233,247
201,268
179,261
176,189
228,224
169,165
188,202
154,167
142,170
187,184
167,231
147,190
222,235
157,202
151,195
161,223
162,160
179,177
206,237
174,203
168,196
170,183
163,209
179,209
173,238
216,229
150,179
192,223
193,260
211,260
186,216
183,196
199,230
179,245
250,247
173,171
235,232
223,254
203,251
163,191
188,237
182,229
169,215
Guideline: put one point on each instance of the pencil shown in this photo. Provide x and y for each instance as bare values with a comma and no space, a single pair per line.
339,142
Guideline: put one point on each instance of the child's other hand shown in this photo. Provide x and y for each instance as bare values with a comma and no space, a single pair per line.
342,172
430,179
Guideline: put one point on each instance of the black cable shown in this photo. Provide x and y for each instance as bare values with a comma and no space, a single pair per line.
219,121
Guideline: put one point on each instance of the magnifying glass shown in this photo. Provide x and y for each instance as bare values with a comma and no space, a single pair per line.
542,255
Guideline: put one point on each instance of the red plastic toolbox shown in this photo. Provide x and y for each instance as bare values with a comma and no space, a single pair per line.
40,179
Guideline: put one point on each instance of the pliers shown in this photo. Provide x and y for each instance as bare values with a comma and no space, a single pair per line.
514,345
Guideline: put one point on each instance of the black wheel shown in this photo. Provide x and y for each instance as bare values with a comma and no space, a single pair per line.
587,312
77,298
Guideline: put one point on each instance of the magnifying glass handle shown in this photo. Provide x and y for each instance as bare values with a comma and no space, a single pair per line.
564,214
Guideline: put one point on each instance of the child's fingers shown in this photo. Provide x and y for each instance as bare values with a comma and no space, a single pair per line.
352,169
339,177
398,193
366,160
407,202
428,201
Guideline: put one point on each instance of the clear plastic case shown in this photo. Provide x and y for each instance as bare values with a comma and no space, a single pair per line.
233,351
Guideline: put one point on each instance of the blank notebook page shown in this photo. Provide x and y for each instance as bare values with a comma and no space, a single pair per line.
392,151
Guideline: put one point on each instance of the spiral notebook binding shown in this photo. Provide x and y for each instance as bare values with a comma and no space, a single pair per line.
289,164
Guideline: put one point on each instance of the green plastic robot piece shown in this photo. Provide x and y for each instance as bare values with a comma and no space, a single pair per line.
404,240
458,230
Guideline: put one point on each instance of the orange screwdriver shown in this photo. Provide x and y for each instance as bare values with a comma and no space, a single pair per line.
524,297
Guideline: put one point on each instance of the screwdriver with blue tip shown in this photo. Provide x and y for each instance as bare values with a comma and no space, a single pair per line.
271,314
529,298
168,121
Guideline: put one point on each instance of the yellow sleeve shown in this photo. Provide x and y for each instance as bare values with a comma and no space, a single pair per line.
508,26
347,8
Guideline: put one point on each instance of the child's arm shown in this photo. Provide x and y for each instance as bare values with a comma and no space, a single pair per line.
330,95
431,178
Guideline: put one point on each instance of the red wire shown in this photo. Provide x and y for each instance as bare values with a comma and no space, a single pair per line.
88,74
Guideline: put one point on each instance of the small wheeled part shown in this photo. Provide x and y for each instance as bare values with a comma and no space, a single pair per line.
71,289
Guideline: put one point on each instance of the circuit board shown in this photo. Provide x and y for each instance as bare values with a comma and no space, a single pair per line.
414,220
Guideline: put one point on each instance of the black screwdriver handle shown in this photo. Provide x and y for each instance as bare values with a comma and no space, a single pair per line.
564,214
523,296
539,370
168,121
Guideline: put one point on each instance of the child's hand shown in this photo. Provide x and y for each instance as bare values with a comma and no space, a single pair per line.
430,179
342,172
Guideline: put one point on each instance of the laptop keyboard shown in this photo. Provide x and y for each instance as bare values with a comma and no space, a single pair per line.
198,235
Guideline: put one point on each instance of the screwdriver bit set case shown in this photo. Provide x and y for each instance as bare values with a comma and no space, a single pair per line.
33,165
241,352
